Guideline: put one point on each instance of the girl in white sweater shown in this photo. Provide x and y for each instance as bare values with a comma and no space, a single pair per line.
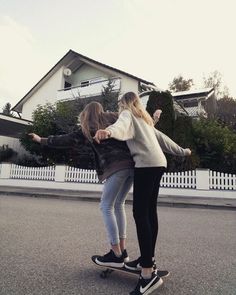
146,145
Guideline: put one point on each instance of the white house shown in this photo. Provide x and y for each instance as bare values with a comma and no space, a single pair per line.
195,101
76,76
191,103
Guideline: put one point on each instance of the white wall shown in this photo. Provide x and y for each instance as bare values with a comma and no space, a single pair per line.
128,84
47,93
86,72
144,100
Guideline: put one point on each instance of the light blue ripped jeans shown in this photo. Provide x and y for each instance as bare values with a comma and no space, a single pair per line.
112,204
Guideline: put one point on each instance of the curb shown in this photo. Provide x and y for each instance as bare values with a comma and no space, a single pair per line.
95,197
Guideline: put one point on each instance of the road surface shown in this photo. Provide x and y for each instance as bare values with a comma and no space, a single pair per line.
46,244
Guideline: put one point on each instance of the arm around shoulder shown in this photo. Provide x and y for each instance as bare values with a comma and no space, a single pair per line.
123,128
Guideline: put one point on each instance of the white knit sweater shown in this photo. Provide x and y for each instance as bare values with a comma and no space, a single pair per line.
146,143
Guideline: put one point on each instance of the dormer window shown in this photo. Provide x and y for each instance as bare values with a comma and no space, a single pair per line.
191,103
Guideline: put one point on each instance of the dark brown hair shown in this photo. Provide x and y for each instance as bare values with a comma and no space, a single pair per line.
93,118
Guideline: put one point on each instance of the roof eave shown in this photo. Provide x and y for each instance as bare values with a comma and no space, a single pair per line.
18,106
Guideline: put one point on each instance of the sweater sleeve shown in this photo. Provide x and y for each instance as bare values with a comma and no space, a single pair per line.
168,145
64,141
123,128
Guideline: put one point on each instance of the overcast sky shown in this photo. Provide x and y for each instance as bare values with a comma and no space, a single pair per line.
153,39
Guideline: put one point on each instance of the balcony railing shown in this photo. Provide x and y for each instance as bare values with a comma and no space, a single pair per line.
91,89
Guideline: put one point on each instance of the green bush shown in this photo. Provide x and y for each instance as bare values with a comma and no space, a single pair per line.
215,145
29,161
6,153
178,128
55,120
183,136
163,101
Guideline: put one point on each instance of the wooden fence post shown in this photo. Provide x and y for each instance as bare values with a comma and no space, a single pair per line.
5,171
202,179
60,173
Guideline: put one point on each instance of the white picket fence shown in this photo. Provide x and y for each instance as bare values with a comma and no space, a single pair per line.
196,179
186,179
36,173
222,181
73,174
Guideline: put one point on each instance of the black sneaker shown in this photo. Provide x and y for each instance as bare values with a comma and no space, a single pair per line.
110,259
125,256
159,272
134,265
147,286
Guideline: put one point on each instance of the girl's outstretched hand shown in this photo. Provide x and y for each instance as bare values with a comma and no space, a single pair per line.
101,135
188,152
157,115
35,137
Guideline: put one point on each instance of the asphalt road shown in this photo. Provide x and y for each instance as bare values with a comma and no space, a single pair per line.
46,244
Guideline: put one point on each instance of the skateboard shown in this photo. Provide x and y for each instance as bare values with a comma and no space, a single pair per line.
107,270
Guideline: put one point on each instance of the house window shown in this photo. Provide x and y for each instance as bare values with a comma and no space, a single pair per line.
84,83
193,103
92,81
67,85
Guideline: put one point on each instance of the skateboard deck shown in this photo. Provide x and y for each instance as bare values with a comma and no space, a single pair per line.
107,270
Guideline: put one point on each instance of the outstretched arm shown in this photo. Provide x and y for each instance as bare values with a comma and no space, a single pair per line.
35,137
59,141
122,129
169,146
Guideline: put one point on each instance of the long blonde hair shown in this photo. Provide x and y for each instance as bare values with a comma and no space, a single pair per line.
131,101
93,118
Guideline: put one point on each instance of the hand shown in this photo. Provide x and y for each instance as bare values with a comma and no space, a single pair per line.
188,152
157,115
101,135
35,137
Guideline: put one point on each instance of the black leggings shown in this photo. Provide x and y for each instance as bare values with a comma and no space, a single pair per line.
145,194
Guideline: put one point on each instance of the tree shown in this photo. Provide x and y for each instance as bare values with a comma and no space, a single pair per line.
183,135
109,99
179,128
164,102
7,110
215,80
180,84
226,111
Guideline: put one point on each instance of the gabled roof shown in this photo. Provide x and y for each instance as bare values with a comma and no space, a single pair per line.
199,93
70,55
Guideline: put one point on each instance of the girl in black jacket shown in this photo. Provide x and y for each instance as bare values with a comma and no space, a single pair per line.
114,165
